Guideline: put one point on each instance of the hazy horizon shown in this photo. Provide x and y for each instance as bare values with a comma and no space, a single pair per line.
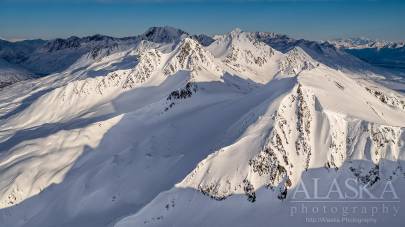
308,19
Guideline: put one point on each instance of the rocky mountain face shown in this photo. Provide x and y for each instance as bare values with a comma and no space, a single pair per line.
165,129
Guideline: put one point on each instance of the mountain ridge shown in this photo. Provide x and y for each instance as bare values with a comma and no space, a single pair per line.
140,133
33,55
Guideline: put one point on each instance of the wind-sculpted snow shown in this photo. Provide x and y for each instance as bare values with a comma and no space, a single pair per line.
56,160
141,132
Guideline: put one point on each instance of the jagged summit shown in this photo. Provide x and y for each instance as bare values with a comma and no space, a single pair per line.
164,34
296,61
236,32
204,40
241,52
190,55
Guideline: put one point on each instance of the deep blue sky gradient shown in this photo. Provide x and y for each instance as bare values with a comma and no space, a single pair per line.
310,19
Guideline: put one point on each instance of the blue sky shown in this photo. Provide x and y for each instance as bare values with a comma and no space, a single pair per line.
310,19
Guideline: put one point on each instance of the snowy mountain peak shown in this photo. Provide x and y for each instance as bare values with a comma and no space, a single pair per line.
241,51
148,62
189,42
236,32
204,40
295,61
164,34
190,55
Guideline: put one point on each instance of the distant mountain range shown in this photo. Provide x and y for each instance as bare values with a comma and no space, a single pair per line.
35,58
379,53
362,43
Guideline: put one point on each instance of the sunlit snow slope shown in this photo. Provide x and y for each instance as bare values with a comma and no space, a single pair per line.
167,131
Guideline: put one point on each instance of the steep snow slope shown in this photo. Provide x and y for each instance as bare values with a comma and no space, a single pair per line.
170,126
185,207
318,123
86,100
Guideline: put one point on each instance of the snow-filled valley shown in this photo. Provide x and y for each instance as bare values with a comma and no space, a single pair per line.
172,129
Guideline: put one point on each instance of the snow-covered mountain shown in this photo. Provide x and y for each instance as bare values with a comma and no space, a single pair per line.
380,53
164,34
10,73
361,43
323,52
168,129
11,55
